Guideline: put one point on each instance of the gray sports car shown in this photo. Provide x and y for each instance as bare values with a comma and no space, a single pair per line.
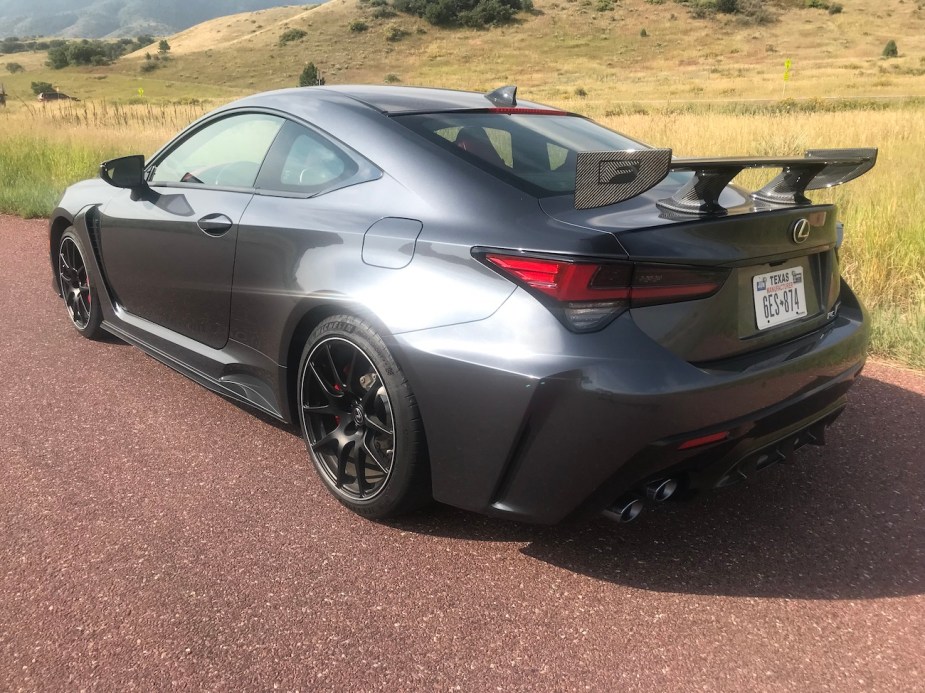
495,304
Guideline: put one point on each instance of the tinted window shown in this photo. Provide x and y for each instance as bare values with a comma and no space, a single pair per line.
536,153
303,161
226,153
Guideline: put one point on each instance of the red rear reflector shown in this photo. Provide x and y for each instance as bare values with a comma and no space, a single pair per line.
703,440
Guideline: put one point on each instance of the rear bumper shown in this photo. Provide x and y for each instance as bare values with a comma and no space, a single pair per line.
528,421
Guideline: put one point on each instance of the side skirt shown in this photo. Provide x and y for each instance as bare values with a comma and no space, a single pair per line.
236,371
227,387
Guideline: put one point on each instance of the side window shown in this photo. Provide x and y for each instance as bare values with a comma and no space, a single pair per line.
302,161
226,153
492,145
557,155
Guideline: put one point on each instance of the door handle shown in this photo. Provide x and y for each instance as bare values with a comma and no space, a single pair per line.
215,224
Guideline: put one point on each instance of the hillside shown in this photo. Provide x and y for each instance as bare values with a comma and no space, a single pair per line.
584,54
562,45
114,18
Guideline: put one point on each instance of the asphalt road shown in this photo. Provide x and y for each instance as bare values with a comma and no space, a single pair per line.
153,535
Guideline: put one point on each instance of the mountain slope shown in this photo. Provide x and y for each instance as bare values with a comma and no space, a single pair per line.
112,18
582,54
571,49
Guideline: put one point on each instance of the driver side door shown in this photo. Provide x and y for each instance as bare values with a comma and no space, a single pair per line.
169,252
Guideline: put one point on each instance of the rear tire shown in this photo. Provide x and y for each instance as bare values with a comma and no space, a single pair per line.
360,420
80,297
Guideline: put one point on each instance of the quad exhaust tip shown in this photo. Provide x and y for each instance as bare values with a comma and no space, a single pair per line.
626,509
661,490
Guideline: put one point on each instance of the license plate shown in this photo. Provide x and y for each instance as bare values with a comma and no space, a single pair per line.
779,297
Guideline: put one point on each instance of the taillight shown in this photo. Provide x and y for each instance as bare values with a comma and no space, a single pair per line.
591,294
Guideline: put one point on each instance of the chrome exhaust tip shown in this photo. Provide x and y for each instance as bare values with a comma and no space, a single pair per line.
625,510
661,490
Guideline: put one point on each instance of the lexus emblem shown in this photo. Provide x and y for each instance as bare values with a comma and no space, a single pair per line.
800,230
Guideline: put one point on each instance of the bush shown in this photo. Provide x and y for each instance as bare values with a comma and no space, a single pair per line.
747,11
163,47
310,76
358,25
581,92
817,4
13,68
392,78
291,35
149,66
643,33
835,8
42,87
890,50
395,34
754,12
471,13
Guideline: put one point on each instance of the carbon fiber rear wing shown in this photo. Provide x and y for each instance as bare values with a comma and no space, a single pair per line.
605,178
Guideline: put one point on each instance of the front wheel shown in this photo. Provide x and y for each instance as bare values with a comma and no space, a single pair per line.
360,420
80,297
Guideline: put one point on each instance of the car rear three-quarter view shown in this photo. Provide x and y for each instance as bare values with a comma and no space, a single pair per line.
495,304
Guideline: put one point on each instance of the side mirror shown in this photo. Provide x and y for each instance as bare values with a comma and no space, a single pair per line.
125,172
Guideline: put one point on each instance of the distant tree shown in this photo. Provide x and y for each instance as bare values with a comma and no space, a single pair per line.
57,57
163,47
42,87
890,50
144,40
727,6
14,68
310,76
12,45
85,52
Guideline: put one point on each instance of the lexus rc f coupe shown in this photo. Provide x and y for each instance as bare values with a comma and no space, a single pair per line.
496,304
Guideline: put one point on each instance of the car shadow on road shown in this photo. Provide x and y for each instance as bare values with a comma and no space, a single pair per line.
841,522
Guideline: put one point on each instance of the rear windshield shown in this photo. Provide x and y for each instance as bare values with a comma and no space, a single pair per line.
535,153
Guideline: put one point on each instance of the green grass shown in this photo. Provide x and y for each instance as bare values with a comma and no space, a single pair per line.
36,171
43,149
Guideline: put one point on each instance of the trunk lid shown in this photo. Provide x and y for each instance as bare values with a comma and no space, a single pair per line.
758,248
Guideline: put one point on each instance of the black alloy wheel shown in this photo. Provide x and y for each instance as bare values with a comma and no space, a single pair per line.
74,282
360,420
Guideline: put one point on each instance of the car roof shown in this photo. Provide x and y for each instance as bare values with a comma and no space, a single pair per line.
391,99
